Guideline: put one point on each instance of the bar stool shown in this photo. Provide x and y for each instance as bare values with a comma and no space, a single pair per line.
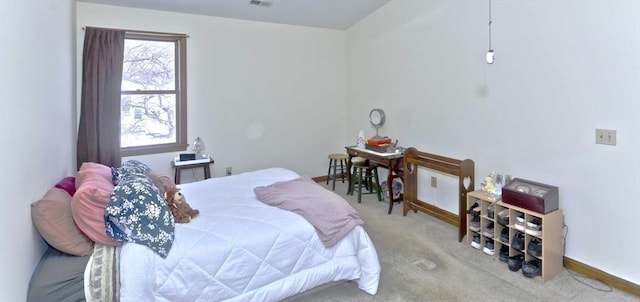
370,171
334,160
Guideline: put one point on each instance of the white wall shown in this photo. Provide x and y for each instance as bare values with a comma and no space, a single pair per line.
259,94
562,69
37,84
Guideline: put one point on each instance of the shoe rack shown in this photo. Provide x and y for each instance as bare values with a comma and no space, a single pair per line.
548,232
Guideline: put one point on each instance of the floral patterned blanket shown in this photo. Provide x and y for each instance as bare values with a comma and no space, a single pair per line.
137,212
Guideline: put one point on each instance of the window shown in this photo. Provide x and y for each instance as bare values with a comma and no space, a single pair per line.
154,100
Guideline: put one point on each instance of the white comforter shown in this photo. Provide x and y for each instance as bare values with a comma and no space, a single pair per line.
240,249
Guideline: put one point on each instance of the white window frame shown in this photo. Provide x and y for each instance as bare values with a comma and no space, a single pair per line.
180,92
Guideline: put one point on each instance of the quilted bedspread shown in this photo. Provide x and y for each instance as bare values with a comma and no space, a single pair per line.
240,249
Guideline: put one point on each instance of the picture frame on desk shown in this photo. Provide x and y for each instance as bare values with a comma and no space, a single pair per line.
187,156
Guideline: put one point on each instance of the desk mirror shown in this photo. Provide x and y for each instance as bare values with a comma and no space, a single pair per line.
377,118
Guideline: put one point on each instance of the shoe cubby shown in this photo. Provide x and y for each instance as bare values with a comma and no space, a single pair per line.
481,225
533,240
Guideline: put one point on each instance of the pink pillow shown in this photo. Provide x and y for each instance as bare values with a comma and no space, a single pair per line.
94,168
52,216
89,202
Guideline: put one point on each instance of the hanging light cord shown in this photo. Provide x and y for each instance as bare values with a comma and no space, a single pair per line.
489,24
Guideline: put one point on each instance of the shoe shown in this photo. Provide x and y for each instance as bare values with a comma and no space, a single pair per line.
503,217
475,223
470,210
531,268
520,222
504,253
490,211
535,247
504,235
518,241
488,230
476,241
488,247
534,227
515,262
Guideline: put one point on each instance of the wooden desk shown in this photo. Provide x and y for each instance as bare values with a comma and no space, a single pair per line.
392,161
179,168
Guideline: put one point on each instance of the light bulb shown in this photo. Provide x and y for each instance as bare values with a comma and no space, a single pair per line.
490,56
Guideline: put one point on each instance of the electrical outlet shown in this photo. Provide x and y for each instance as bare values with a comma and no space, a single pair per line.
606,137
229,171
434,182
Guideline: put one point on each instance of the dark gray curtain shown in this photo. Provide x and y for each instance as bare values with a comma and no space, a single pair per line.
99,128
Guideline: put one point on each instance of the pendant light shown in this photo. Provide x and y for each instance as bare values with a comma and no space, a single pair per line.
490,56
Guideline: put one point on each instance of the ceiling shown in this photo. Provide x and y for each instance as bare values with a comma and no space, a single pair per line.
332,14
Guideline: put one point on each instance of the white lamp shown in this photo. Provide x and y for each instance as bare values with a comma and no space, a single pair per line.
490,56
198,147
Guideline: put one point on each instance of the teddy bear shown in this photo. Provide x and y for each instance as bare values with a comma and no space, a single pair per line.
181,210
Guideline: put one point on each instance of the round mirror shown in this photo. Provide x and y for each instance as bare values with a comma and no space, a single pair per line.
376,117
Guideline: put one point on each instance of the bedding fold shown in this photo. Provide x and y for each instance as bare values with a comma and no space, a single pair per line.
329,213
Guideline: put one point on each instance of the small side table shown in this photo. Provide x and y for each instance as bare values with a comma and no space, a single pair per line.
179,168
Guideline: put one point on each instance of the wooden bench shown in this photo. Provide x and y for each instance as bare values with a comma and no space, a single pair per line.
462,169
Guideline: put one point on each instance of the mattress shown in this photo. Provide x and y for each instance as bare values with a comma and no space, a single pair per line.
58,277
240,249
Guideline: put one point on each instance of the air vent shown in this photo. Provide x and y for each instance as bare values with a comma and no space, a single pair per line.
260,3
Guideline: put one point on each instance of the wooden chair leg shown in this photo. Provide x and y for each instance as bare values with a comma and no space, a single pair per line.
335,165
359,185
375,173
329,171
352,183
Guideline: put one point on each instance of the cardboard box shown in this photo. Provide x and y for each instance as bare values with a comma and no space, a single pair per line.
530,195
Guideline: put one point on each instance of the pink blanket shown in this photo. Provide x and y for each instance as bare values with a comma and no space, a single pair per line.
330,214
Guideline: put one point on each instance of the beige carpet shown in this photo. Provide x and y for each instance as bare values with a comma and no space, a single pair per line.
422,260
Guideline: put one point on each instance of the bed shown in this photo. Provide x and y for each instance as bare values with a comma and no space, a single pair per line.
238,249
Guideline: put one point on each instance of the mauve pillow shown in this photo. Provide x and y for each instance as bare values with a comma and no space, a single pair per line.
161,181
89,203
52,217
68,184
328,212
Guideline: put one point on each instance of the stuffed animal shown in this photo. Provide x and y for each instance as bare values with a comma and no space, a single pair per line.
181,210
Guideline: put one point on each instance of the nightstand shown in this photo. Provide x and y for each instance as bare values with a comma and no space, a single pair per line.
179,166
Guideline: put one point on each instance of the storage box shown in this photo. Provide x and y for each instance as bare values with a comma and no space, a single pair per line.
381,149
530,195
378,142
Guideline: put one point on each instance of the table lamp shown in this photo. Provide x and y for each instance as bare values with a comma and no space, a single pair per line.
198,147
